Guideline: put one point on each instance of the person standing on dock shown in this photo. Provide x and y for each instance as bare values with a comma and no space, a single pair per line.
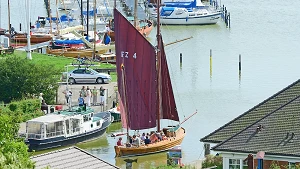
102,96
82,92
94,95
88,96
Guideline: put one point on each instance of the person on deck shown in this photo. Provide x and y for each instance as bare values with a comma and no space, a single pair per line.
106,39
158,135
119,143
136,141
153,138
147,140
44,107
143,137
80,101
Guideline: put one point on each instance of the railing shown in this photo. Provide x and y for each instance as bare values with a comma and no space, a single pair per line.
33,136
53,134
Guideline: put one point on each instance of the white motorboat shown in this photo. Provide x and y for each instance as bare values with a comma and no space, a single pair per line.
182,16
65,127
188,13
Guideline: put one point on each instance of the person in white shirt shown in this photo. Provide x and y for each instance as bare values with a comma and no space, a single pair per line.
88,96
136,141
41,97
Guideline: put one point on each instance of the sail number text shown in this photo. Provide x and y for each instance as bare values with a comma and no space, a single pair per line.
126,54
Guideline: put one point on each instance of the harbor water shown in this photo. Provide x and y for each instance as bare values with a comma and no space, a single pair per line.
265,34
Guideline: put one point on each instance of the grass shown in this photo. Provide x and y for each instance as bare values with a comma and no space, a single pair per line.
60,62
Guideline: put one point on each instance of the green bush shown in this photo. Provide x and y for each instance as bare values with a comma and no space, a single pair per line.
13,150
211,160
22,78
23,110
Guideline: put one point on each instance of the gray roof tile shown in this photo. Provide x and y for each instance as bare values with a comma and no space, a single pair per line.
71,158
279,135
254,114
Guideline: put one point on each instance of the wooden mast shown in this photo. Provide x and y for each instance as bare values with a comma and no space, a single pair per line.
28,31
56,21
135,13
125,103
9,28
95,15
124,92
87,19
50,16
81,12
158,56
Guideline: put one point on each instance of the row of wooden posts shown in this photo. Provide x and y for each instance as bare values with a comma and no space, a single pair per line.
225,14
210,62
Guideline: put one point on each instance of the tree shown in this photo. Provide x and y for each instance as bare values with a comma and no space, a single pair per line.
20,78
13,150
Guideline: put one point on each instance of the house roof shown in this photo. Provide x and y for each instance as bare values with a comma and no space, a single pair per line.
277,133
49,118
254,114
72,157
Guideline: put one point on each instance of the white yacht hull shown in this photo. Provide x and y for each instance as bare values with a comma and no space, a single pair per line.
191,20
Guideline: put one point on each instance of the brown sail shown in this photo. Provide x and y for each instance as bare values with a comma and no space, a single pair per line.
136,68
169,110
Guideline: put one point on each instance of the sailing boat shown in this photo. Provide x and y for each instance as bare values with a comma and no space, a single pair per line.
145,89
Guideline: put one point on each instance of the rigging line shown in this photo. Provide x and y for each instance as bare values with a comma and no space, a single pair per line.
175,86
201,153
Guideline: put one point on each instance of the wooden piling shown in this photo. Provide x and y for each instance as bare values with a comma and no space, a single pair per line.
228,19
180,59
20,27
210,63
240,65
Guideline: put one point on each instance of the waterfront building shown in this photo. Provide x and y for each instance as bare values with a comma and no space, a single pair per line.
271,127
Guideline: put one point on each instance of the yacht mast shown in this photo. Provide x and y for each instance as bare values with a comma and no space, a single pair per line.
87,19
135,13
95,16
158,57
9,30
28,30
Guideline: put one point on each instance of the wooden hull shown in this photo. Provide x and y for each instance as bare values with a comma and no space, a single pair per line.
72,52
144,31
33,38
122,151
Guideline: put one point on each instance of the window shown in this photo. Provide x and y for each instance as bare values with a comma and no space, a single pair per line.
88,71
292,165
234,163
78,71
245,164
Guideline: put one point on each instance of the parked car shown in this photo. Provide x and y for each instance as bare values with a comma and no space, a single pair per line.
86,75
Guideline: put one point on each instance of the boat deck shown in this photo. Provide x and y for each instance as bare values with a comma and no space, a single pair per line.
160,146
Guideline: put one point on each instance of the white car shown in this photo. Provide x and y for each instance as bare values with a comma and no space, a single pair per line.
86,75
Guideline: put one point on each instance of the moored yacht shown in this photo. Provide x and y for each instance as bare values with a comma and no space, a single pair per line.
65,127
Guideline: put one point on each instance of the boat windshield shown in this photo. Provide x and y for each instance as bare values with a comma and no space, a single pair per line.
34,130
54,129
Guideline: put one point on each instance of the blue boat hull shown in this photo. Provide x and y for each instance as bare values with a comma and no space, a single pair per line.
65,141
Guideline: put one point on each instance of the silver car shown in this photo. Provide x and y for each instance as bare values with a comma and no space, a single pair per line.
84,75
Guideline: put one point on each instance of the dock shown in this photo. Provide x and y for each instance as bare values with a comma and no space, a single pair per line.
38,47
